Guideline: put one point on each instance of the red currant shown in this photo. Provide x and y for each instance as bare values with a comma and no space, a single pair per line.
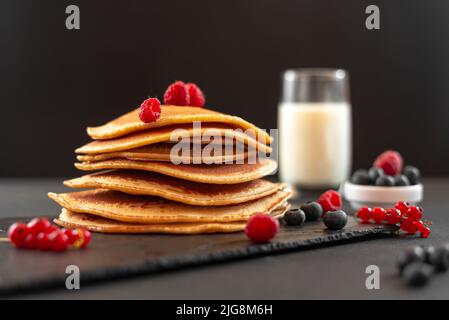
43,241
394,216
58,241
402,206
51,229
364,214
39,225
30,241
17,233
425,232
379,214
414,213
409,226
72,235
86,235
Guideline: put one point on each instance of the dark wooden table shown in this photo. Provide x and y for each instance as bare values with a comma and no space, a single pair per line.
330,272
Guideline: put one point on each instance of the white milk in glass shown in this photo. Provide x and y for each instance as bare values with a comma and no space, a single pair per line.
314,121
315,143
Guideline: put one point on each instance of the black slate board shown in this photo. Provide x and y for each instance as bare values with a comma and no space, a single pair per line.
118,256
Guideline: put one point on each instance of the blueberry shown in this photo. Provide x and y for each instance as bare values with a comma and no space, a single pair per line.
361,177
439,258
335,220
375,173
413,174
386,181
295,217
312,209
415,254
401,181
417,273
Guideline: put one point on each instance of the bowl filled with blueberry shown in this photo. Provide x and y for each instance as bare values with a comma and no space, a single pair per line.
385,183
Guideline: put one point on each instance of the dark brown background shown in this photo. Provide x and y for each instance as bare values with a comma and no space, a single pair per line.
55,82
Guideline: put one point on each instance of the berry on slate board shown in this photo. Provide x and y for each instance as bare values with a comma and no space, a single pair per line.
17,233
312,210
394,216
408,226
330,201
414,213
39,233
413,174
261,228
364,214
37,225
177,94
415,254
379,214
385,181
197,98
361,177
390,161
417,273
294,217
335,220
402,206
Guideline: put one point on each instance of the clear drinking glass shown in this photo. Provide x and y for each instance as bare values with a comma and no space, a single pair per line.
314,121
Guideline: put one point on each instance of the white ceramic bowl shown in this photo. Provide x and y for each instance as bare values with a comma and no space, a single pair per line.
373,196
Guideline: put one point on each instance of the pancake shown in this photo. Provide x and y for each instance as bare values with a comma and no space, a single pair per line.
193,193
212,174
145,209
163,134
161,152
170,115
69,219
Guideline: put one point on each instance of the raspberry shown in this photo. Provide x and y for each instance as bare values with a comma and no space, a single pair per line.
197,98
150,110
394,216
364,214
379,214
390,161
177,94
261,228
330,201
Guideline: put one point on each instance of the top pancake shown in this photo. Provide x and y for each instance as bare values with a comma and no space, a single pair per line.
170,115
164,134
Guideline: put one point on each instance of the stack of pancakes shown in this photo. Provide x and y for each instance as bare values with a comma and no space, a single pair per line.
145,187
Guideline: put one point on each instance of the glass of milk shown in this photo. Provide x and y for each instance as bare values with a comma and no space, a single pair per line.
314,121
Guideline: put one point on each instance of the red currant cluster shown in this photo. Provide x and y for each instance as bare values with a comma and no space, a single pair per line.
39,233
407,217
